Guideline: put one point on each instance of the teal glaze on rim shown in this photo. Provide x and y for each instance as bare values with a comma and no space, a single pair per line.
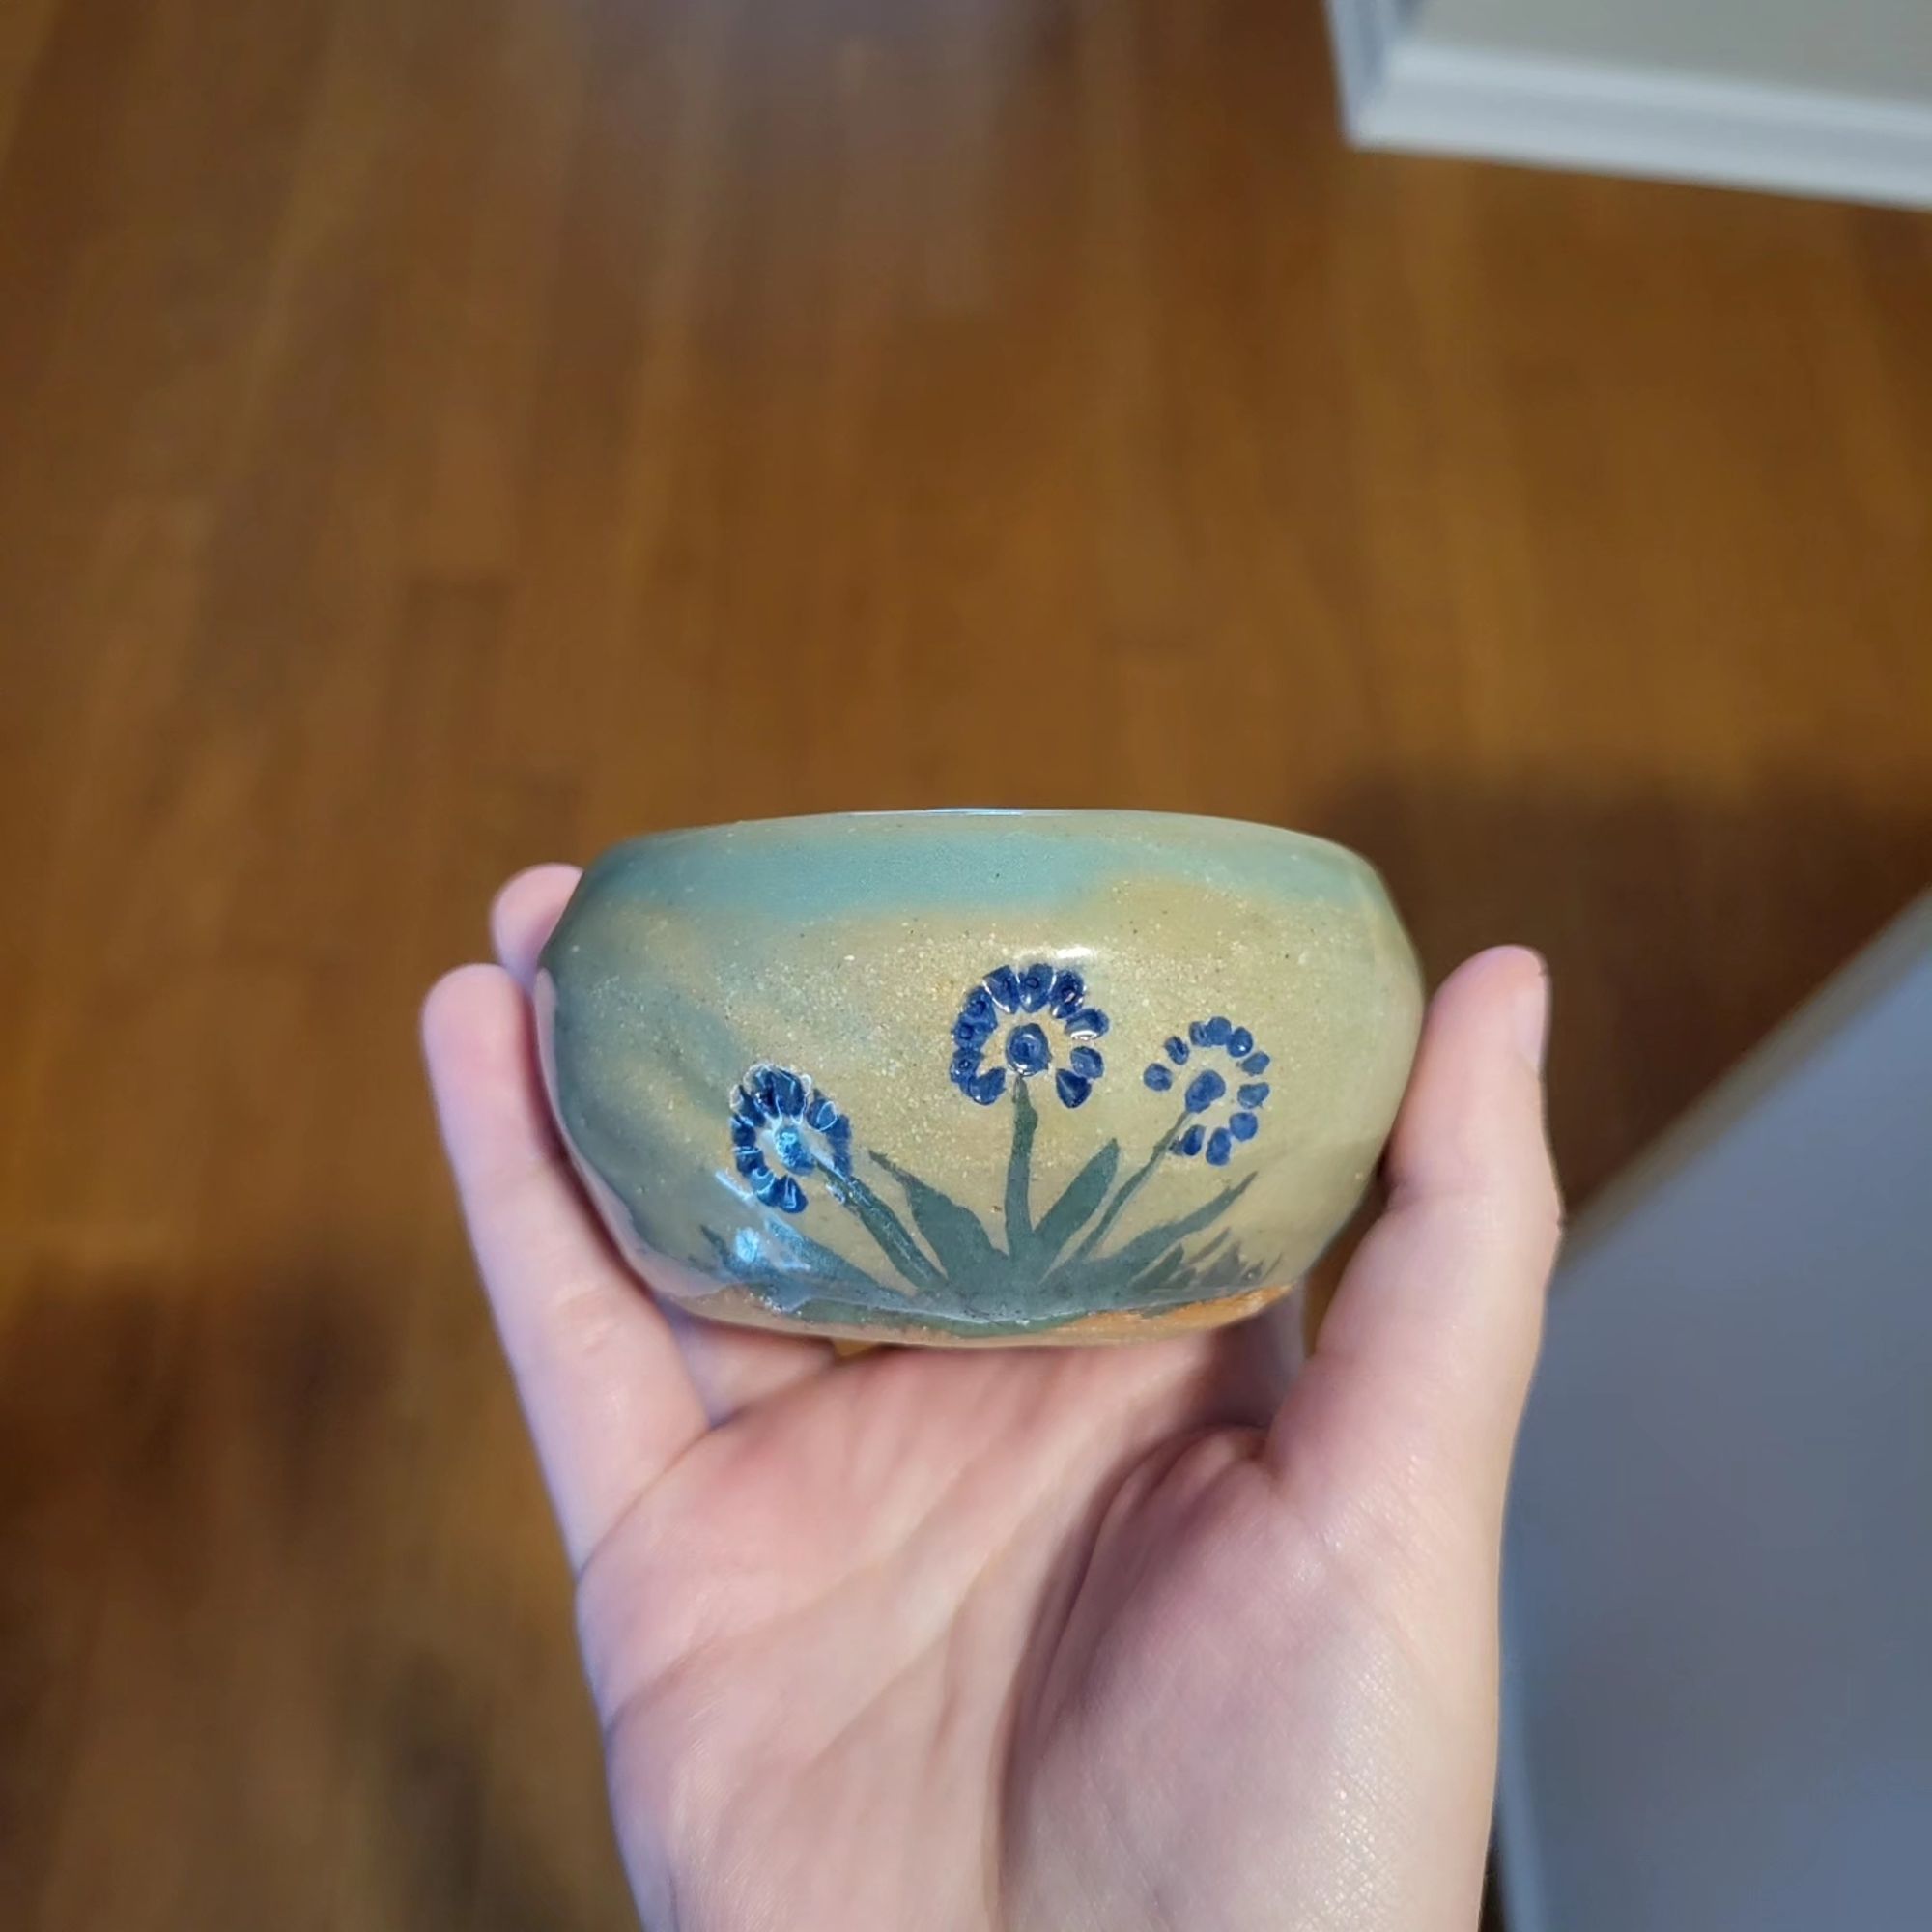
977,1075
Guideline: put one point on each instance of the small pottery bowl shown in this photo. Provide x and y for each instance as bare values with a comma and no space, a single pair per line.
977,1076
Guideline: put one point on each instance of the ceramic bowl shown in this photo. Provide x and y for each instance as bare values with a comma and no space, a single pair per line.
977,1076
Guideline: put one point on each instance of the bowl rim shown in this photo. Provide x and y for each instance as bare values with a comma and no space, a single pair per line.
1033,813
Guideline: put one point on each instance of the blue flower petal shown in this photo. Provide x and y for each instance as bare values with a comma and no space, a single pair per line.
970,1031
1189,1144
821,1113
1089,1023
789,1091
1071,1087
1176,1049
1197,1032
747,1105
839,1130
750,1162
1003,983
1035,985
1254,1093
1085,1061
1027,1048
1217,1030
1254,1063
1243,1127
979,1006
789,1197
744,1132
1159,1078
1069,990
965,1064
988,1088
765,1183
1241,1041
1203,1090
1220,1145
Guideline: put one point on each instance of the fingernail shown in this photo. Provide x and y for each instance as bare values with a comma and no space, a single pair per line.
1531,1018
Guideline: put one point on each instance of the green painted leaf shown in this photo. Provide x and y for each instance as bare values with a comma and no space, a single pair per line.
1019,1180
965,1250
1171,1272
1069,1214
1129,1187
827,1263
805,1264
1094,1278
1212,1248
886,1227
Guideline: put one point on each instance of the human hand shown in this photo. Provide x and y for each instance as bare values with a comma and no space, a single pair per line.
1067,1638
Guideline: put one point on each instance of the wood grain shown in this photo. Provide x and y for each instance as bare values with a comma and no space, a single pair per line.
441,435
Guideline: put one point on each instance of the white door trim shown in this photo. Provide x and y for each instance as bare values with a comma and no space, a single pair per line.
1402,92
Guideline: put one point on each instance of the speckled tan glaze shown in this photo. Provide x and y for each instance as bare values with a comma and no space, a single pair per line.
841,948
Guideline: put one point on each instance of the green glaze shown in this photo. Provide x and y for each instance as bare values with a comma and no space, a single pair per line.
772,1050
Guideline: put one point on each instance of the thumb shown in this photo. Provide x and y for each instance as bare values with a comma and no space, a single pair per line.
1427,1351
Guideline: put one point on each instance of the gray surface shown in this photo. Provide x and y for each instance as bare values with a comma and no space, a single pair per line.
1877,48
1719,1574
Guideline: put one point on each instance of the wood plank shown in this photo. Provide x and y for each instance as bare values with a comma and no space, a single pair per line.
436,437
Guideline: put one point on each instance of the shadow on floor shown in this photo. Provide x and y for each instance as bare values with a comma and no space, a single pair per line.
1679,930
278,1596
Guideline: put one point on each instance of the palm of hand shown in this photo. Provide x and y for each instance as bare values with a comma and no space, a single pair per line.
965,1640
1065,1638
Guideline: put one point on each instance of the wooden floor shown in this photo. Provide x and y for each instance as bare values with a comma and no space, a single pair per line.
439,435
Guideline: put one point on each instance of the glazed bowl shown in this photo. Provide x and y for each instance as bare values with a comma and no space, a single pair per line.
977,1076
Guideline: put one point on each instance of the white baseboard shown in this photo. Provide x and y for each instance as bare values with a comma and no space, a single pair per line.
1401,90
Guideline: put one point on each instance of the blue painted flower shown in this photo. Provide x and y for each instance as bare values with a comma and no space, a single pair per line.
1011,1018
1207,1087
782,1128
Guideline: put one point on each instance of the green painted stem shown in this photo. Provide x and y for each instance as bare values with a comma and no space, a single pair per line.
1129,1187
1019,1180
884,1227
